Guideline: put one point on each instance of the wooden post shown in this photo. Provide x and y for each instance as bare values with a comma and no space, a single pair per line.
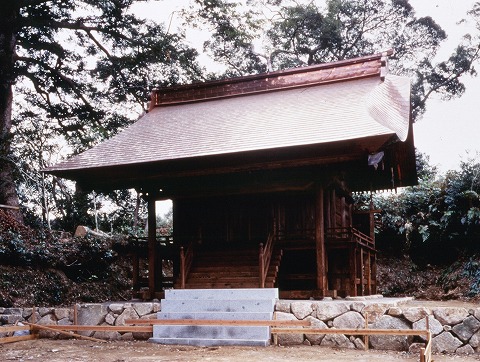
366,336
152,240
182,268
353,270
136,271
261,262
320,241
368,271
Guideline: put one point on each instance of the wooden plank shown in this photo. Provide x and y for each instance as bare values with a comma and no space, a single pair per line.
320,241
218,322
71,334
9,329
352,332
152,229
18,338
147,329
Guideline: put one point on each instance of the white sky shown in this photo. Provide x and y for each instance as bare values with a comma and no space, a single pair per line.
449,128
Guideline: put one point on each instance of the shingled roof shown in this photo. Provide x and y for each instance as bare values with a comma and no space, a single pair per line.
316,105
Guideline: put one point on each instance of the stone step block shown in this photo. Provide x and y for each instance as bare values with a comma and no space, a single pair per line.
201,342
205,305
222,294
211,332
217,315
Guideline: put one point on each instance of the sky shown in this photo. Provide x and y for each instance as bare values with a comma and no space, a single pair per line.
450,128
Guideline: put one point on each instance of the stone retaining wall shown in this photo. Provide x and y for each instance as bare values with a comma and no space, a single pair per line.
454,330
113,314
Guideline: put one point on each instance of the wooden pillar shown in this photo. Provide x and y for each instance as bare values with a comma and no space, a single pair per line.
320,241
353,271
152,241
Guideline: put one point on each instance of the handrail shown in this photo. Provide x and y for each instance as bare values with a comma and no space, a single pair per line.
350,233
265,256
186,259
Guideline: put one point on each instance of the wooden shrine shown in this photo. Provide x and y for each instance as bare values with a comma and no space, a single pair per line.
261,171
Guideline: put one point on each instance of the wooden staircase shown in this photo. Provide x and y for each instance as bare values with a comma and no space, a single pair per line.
235,266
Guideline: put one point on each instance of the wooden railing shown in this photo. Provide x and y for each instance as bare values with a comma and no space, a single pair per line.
349,234
265,256
186,258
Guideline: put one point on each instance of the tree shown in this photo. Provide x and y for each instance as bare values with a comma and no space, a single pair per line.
82,69
297,33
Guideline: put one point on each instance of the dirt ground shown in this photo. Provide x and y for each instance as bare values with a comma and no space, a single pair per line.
79,350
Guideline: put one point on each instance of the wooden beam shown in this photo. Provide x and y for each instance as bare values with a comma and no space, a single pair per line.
320,240
152,236
71,334
12,339
219,322
96,328
353,332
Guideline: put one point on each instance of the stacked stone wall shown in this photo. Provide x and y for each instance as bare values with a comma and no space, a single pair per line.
454,330
108,314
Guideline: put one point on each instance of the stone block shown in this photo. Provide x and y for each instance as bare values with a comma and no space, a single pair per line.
329,310
475,340
414,314
61,313
395,311
128,313
467,349
10,318
336,340
359,344
127,336
434,326
110,319
375,311
289,338
301,309
315,339
44,311
467,328
143,308
450,316
283,306
107,335
47,319
349,320
395,343
116,308
91,314
156,307
358,306
415,348
445,343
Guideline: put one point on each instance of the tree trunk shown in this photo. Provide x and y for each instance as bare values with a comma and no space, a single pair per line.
8,192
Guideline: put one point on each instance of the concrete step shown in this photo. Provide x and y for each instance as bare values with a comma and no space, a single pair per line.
203,342
222,294
261,316
212,332
236,305
216,304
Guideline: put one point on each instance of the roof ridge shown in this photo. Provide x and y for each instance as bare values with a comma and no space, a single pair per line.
344,70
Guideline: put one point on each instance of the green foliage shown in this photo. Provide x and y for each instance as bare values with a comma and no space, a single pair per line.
438,219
